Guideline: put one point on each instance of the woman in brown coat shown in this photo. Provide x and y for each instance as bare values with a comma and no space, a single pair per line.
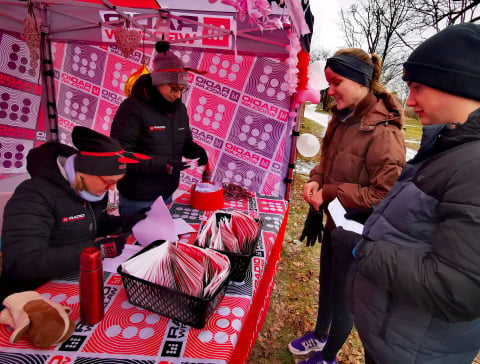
363,153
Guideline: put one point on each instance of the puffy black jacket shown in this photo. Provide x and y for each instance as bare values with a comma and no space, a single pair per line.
46,224
146,123
415,293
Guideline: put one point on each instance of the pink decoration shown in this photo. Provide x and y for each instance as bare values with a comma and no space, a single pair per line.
311,95
32,38
292,60
128,40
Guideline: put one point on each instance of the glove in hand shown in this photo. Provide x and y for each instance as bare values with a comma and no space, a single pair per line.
111,246
174,166
358,214
130,221
313,227
203,157
343,243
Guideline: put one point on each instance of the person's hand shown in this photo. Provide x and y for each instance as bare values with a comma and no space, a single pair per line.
174,166
309,189
313,227
111,246
203,157
358,214
131,221
316,201
343,243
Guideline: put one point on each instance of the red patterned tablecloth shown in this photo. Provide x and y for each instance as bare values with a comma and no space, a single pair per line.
132,335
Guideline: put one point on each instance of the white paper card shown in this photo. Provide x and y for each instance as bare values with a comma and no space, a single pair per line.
337,212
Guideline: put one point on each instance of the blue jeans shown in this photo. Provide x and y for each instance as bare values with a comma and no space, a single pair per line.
127,207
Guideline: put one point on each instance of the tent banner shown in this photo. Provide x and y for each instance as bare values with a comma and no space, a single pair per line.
182,28
239,110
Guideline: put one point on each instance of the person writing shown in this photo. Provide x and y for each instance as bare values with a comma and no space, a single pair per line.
415,280
363,153
61,210
154,121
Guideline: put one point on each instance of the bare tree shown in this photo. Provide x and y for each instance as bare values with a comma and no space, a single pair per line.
392,28
439,14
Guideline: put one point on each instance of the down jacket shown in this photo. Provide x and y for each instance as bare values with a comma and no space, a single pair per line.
46,224
365,155
146,123
415,290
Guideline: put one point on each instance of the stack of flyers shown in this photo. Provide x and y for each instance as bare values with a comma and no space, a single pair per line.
232,232
181,267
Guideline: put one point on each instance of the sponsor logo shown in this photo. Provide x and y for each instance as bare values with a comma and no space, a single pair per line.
200,135
157,127
276,168
212,86
242,153
73,218
264,107
17,83
13,132
80,84
185,28
112,97
67,124
188,180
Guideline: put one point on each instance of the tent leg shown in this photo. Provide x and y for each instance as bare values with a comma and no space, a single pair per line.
293,150
48,78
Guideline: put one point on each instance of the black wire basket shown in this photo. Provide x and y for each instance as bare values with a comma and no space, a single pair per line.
190,310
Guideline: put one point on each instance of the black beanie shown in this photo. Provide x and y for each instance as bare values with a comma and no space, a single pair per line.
448,61
100,155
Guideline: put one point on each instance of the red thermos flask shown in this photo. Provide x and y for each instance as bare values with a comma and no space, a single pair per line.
91,286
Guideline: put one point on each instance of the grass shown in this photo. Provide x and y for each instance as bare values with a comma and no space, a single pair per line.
293,304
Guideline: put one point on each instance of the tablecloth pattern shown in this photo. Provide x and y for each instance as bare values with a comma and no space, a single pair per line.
132,335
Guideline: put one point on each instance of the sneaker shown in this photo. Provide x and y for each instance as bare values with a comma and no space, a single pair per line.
317,358
306,344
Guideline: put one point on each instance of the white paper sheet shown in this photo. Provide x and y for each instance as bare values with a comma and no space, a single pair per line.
111,264
158,225
337,212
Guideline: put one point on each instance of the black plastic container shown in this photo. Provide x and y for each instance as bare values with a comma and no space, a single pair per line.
170,303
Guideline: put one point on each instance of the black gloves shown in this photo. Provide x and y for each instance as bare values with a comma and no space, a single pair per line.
131,220
313,227
203,157
358,214
174,166
343,243
111,246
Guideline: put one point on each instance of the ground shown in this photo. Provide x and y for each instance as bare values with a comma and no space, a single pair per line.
293,304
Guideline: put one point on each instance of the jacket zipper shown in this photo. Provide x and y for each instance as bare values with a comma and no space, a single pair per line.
90,210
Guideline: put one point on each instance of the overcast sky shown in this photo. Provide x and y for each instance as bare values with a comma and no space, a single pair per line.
327,33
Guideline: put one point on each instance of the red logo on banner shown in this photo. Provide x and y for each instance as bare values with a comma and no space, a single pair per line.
220,41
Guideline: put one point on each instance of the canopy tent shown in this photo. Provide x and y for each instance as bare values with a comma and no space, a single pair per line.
243,110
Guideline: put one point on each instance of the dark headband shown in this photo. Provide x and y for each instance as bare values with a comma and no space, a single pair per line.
351,67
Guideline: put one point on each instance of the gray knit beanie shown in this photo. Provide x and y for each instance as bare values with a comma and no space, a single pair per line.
448,61
167,67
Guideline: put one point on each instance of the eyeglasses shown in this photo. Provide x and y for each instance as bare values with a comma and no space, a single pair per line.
175,89
108,184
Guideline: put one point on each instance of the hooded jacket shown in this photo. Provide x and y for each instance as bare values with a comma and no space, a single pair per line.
415,290
146,123
362,155
46,225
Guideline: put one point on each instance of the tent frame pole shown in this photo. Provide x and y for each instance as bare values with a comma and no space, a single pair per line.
48,81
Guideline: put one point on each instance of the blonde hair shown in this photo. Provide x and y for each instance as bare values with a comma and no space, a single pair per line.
77,183
372,59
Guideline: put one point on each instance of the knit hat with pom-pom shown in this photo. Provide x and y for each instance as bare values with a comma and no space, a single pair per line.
167,67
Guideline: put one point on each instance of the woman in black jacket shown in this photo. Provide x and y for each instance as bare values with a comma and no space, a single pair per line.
61,210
